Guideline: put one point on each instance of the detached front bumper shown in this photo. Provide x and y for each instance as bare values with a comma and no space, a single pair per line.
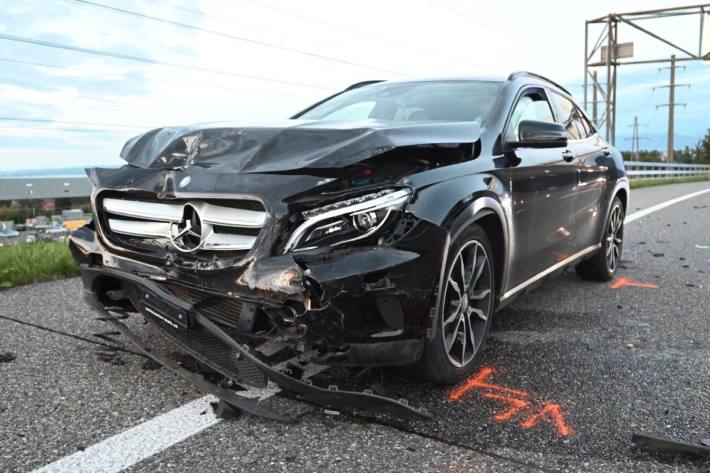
331,397
367,306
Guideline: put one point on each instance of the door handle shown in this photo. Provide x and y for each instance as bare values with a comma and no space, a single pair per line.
606,150
568,155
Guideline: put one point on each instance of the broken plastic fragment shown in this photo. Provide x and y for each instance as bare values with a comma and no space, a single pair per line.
7,357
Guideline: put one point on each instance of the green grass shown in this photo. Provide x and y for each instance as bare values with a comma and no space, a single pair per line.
33,262
639,183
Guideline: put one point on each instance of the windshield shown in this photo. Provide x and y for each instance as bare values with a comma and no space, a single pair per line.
411,101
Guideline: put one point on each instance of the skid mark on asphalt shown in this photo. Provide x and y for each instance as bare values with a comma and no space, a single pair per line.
519,404
624,282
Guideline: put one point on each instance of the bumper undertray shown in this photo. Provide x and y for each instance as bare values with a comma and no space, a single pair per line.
215,347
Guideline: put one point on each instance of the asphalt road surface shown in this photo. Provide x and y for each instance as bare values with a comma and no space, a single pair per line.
569,373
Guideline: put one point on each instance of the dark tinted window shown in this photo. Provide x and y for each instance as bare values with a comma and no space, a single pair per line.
412,101
531,106
570,116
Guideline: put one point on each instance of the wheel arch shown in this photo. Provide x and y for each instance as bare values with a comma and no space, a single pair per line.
488,212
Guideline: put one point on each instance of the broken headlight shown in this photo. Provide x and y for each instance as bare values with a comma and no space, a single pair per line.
347,220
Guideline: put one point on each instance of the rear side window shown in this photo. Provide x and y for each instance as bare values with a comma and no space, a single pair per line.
571,118
531,106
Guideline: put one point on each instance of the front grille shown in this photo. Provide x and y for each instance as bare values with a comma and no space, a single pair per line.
191,227
227,312
212,351
391,311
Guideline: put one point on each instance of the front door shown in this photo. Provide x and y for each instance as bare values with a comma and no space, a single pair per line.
543,190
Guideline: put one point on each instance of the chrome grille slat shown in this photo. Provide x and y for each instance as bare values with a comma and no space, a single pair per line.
140,228
145,210
226,241
230,217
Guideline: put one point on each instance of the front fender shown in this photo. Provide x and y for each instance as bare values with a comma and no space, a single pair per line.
455,205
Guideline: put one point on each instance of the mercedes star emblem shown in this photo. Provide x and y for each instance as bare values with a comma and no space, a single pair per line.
187,235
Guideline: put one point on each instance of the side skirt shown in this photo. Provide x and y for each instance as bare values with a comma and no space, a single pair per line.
557,266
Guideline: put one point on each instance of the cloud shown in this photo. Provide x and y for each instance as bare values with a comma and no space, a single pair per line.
416,38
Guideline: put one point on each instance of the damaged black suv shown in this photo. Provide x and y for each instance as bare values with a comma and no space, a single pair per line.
382,226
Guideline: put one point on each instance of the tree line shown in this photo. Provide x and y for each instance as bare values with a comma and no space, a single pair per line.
699,154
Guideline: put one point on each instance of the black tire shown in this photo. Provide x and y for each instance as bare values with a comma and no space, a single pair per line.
450,356
603,265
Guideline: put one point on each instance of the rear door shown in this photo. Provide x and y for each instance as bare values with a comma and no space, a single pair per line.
543,187
590,160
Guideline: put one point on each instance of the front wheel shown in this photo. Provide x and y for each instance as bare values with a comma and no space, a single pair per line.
603,265
467,301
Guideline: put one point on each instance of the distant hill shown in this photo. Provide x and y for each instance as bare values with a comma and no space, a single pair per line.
58,172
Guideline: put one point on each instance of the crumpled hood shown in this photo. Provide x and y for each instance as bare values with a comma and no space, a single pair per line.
287,146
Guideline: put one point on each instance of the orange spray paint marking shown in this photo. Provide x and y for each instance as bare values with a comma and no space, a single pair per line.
479,382
621,282
515,406
551,412
532,411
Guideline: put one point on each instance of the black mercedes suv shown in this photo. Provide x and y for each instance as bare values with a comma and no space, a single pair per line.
384,225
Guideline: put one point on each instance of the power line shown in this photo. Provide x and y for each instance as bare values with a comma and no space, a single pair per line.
145,60
341,28
147,79
234,37
476,17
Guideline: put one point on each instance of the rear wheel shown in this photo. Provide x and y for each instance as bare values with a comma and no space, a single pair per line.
465,311
603,265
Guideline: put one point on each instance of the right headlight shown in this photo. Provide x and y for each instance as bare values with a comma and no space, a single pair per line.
347,220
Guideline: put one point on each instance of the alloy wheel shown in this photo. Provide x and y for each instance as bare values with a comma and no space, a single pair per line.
467,303
614,237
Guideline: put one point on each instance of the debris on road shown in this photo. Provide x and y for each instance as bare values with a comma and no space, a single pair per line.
7,357
224,411
703,247
649,442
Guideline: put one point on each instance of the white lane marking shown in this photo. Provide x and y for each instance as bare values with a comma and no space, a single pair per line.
140,442
162,432
662,205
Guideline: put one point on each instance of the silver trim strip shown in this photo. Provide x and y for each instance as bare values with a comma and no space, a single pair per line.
549,270
140,228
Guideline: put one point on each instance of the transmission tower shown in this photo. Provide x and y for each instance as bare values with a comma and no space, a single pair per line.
636,138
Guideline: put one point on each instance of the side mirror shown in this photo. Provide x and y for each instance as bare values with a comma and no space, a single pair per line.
540,134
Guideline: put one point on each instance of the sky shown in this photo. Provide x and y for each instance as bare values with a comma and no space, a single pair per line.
185,62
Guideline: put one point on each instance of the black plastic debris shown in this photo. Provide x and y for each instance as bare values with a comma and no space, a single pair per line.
225,411
648,442
7,357
150,365
110,356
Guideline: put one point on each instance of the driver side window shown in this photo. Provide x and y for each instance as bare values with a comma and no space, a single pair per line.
531,106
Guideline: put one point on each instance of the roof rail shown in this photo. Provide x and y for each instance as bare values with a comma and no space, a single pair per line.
515,75
362,84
